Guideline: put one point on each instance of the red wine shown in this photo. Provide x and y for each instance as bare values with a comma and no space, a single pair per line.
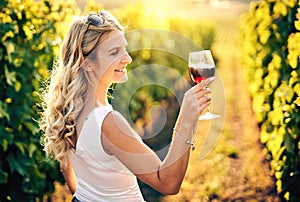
200,74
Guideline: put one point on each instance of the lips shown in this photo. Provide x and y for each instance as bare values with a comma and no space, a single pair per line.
121,70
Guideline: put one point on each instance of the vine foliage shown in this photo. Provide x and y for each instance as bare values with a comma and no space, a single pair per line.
270,36
30,34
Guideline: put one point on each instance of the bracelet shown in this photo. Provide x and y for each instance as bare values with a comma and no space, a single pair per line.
187,141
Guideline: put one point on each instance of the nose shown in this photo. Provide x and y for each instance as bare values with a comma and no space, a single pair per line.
126,58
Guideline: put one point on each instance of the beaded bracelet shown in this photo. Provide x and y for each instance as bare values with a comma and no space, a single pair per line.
187,141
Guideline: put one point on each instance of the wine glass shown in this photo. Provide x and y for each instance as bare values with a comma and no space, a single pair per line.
202,66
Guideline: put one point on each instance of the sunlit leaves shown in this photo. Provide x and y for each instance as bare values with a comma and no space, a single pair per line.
280,8
30,32
271,60
294,50
297,101
93,6
3,111
284,93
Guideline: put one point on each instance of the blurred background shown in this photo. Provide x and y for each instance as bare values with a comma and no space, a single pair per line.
250,154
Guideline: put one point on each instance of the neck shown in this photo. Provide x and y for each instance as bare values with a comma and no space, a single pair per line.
101,97
100,94
97,94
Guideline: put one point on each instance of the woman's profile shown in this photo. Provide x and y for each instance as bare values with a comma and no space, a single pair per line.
100,155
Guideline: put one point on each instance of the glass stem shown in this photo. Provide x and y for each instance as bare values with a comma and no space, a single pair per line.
208,109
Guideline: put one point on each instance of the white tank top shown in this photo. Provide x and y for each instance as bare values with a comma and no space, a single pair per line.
100,177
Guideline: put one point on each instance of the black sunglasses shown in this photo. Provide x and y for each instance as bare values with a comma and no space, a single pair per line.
95,19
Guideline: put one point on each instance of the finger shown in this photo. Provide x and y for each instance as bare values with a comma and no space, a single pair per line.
203,107
198,94
204,99
203,84
195,96
203,103
202,92
209,80
206,82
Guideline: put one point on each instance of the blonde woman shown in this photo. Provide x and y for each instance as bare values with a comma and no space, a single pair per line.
100,154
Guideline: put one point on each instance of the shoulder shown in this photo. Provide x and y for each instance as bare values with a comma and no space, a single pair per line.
114,124
117,133
114,118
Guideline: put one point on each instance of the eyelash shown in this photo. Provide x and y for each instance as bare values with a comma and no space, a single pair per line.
115,53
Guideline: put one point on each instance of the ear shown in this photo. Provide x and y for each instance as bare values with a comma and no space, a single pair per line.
87,65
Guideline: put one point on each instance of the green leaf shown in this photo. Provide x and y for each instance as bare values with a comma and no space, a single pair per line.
10,48
289,143
3,111
285,91
10,76
18,86
4,145
264,136
297,25
297,89
297,101
20,146
280,154
31,149
3,176
1,54
14,165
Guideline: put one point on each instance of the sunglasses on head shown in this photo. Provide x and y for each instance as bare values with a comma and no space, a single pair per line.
95,19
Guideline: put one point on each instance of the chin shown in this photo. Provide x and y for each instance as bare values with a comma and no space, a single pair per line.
123,79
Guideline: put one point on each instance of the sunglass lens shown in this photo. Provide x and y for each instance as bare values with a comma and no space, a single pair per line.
95,20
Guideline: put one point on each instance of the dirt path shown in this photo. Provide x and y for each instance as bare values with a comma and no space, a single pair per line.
248,176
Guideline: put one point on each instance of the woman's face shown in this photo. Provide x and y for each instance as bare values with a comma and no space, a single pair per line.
111,58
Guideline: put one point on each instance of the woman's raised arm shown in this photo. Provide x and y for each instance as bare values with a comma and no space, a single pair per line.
120,139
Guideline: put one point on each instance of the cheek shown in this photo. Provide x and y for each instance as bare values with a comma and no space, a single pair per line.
108,62
104,67
106,71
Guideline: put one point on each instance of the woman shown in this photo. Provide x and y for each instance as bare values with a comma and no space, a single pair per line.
99,153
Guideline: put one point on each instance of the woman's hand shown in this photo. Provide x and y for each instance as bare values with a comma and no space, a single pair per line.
69,175
195,101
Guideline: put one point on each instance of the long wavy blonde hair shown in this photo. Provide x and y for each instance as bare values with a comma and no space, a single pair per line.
65,93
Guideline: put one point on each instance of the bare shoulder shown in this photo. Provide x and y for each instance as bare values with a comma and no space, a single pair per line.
117,135
114,121
117,132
